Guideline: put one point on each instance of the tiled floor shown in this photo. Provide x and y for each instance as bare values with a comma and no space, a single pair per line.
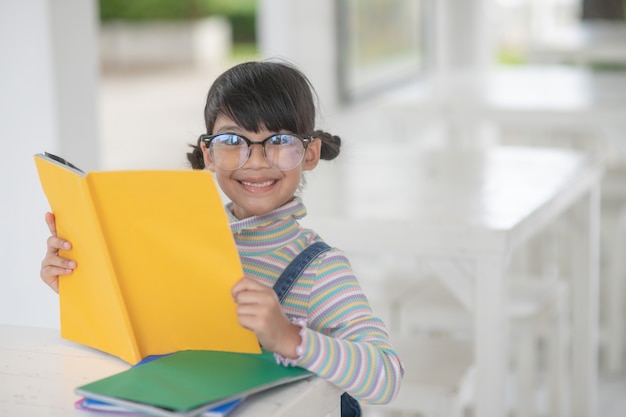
148,121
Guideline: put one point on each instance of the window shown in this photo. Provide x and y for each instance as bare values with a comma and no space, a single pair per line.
380,44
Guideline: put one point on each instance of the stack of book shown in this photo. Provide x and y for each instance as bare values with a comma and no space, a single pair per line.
187,384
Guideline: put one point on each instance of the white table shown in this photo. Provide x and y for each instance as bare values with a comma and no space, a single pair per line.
589,43
560,107
553,95
577,108
39,371
473,209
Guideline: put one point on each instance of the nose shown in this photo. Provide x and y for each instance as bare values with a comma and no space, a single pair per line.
256,157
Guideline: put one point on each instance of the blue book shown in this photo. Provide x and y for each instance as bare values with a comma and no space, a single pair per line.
89,404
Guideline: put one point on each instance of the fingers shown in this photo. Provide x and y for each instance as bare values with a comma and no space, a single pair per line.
52,257
247,285
50,221
253,298
54,265
50,272
51,280
257,304
258,309
54,244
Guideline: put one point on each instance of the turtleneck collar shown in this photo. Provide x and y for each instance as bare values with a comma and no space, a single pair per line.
265,232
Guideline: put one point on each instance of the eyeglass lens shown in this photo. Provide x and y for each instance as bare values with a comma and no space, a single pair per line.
282,151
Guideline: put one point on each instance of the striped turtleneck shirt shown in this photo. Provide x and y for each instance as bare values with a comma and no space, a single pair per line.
343,342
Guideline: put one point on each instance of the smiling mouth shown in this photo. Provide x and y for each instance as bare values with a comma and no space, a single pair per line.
258,184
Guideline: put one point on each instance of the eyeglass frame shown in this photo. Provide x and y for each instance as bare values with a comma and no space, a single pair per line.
207,139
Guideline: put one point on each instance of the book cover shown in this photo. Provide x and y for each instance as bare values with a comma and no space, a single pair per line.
88,404
189,382
156,261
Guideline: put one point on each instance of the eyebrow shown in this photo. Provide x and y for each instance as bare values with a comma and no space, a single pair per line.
229,128
240,131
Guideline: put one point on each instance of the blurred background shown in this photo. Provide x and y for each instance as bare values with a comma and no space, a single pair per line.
118,84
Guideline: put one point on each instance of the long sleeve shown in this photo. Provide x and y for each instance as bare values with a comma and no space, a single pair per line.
344,343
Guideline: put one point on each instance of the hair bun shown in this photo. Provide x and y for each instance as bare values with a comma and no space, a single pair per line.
331,144
195,157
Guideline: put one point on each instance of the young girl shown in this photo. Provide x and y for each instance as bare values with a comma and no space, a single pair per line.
260,119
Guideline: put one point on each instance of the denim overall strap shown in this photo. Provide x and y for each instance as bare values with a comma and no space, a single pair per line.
290,275
349,406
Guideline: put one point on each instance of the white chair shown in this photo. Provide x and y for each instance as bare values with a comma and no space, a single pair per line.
394,281
613,312
539,326
602,142
437,380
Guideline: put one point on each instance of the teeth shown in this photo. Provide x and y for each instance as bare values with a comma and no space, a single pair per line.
258,184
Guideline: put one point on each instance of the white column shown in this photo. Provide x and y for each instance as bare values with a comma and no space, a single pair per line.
463,55
304,33
74,29
48,81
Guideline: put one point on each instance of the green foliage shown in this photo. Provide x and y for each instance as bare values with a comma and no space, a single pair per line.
510,57
233,7
244,51
240,13
141,10
138,10
244,27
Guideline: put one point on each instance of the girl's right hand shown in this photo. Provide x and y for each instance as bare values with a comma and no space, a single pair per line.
54,265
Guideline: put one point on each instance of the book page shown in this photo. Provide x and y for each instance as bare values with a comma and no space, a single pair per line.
174,257
91,307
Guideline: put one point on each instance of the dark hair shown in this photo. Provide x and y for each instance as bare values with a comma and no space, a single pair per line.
266,94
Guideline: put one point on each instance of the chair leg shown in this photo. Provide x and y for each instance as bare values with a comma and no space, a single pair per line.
551,326
616,293
558,353
525,368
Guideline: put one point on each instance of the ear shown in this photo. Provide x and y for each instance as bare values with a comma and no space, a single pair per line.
208,162
312,154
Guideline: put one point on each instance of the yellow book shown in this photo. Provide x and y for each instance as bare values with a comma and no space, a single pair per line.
155,256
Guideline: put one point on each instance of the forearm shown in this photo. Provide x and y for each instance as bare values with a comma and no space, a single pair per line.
368,369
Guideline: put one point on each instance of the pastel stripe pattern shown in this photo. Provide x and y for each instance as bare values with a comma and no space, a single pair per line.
344,342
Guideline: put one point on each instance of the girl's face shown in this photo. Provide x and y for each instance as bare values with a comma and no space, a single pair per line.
258,188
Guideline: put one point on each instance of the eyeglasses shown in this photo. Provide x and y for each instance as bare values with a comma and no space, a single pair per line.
230,151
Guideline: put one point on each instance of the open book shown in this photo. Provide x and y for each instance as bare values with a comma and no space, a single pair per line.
187,383
156,261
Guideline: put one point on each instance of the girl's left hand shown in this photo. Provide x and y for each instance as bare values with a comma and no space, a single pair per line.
259,310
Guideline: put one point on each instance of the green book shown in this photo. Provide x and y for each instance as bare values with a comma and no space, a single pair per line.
187,383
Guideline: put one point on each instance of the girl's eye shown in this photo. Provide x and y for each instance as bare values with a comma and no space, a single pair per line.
281,140
232,140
